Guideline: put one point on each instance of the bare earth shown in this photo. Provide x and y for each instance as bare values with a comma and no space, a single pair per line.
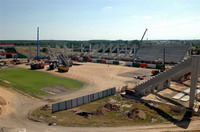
98,77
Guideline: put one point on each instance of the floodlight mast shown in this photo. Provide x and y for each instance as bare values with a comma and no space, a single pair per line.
38,44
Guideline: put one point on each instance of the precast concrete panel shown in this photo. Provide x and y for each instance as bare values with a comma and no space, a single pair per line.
109,92
105,94
100,95
68,104
86,99
74,103
91,97
62,106
113,91
55,108
80,101
96,96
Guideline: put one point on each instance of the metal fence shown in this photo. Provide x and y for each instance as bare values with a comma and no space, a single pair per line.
82,100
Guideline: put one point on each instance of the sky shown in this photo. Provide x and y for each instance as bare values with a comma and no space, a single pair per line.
99,19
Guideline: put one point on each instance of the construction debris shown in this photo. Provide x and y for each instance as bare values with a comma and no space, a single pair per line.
112,107
46,107
101,111
137,114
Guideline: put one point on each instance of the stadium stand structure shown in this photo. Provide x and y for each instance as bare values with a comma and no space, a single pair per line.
163,79
154,53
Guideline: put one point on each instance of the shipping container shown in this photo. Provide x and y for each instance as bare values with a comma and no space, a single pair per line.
98,61
151,65
89,60
136,65
80,59
73,58
103,61
116,62
159,66
76,58
109,61
143,65
94,60
129,64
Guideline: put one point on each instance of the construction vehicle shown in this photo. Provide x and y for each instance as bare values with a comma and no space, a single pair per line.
53,65
15,61
37,65
2,63
65,63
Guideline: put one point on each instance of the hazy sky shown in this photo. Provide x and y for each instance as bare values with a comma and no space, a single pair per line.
99,19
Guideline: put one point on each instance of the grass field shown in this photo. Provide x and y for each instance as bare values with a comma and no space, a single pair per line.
110,119
31,82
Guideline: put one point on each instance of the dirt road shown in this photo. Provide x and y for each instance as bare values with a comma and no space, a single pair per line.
98,77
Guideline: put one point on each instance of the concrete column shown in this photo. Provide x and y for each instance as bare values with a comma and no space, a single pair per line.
81,48
90,48
194,78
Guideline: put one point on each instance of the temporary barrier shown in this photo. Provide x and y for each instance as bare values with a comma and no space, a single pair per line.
64,105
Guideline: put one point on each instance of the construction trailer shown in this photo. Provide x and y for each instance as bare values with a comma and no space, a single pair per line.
7,51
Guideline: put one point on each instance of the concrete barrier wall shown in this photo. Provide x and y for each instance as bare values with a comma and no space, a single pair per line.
64,105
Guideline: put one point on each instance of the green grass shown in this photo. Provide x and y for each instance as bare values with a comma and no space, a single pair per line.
31,82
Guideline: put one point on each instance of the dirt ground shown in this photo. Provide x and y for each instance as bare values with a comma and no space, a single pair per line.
98,77
6,99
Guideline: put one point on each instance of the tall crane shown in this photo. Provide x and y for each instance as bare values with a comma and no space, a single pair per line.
138,46
142,39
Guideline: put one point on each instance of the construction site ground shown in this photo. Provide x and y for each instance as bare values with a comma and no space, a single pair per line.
99,77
